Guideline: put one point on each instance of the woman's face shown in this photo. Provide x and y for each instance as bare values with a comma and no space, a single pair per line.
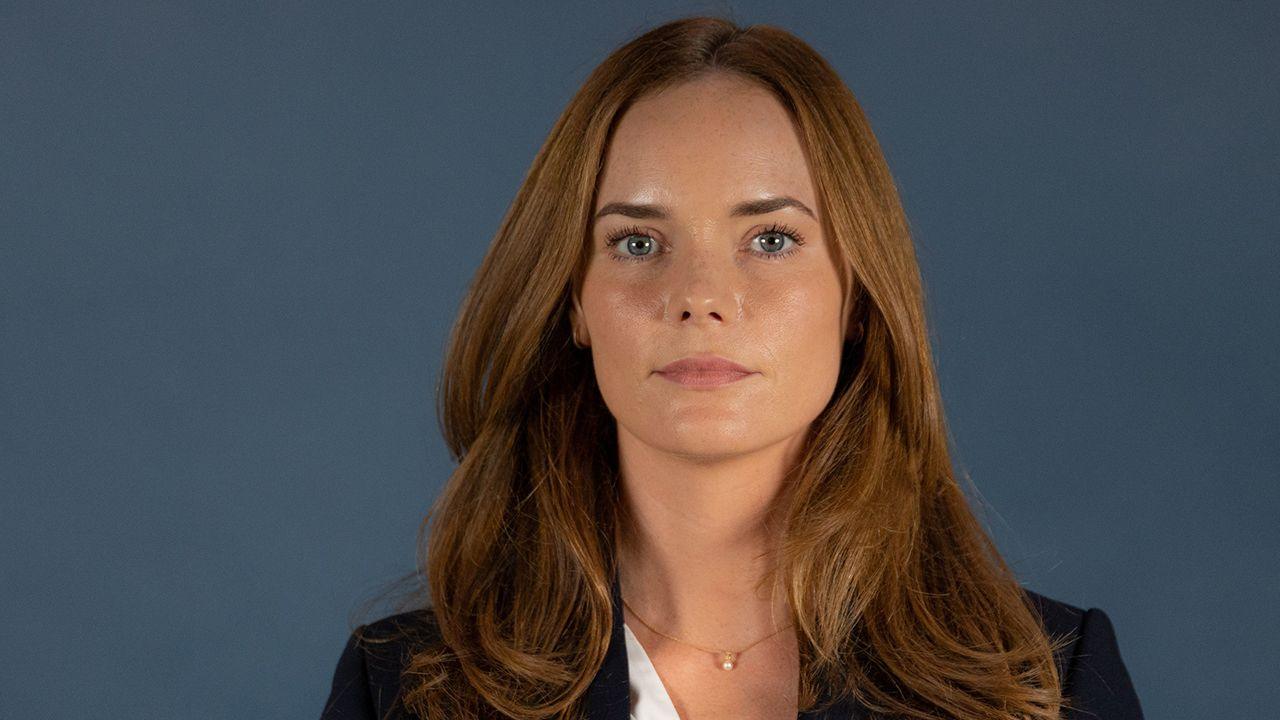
709,259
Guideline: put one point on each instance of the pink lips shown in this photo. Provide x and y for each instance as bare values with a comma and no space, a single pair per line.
703,370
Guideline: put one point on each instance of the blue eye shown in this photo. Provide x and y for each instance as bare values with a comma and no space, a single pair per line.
776,236
627,234
782,233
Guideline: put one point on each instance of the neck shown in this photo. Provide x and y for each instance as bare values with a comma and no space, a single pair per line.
698,542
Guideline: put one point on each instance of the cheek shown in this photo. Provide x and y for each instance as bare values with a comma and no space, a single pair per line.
619,313
620,319
798,328
798,322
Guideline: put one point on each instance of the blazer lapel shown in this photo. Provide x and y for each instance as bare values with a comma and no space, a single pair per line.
609,695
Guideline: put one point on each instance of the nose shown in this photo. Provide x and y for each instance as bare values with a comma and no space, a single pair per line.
704,290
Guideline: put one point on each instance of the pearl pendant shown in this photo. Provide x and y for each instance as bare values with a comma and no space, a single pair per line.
729,660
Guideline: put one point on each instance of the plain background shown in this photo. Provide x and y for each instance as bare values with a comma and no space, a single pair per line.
233,237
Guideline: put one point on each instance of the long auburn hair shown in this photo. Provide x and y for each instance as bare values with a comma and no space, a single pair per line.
899,597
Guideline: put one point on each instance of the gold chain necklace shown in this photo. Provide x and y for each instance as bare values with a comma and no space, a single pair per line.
728,658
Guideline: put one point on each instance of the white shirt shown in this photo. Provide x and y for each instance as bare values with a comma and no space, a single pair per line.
649,698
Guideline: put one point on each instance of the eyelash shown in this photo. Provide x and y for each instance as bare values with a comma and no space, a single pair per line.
619,235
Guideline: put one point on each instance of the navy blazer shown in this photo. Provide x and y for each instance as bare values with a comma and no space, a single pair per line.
366,680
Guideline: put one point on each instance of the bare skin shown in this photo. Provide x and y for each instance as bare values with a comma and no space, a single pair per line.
702,468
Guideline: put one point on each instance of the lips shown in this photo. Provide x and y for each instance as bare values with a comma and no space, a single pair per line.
704,371
704,363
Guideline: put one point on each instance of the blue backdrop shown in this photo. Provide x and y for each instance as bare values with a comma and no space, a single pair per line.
233,237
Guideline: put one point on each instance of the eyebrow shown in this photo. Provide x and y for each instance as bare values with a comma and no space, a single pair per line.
650,211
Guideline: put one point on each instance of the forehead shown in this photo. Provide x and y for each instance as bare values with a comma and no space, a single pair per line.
710,142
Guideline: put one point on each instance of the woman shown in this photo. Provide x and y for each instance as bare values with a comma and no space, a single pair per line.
703,467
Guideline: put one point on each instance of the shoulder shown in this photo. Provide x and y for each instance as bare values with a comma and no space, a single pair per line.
1096,682
366,680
